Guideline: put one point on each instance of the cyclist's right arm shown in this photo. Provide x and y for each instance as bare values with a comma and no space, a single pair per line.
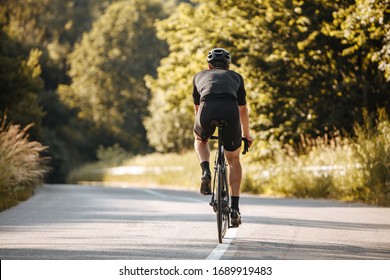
195,96
196,108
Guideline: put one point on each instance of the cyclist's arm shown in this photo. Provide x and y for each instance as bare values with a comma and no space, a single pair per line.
196,108
244,118
195,96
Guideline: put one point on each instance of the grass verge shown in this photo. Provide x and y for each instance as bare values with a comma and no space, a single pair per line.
152,169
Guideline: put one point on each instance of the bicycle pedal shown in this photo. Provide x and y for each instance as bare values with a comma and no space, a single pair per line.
214,205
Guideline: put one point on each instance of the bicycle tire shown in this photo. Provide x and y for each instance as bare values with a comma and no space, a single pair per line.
222,214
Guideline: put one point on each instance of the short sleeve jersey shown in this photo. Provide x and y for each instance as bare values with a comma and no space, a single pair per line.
218,83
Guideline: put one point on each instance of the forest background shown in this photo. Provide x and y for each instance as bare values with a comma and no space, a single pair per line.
98,78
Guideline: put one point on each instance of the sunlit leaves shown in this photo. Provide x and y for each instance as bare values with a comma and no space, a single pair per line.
107,70
365,26
20,84
304,62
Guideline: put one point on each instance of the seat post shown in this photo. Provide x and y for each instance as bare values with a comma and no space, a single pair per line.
220,142
219,124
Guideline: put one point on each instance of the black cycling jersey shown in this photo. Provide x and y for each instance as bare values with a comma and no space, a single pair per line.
218,83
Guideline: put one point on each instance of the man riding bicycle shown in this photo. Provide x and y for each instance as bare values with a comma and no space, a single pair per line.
219,94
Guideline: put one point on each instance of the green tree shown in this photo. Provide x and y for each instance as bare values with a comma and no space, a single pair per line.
20,84
52,27
107,70
363,29
191,31
314,84
364,26
299,75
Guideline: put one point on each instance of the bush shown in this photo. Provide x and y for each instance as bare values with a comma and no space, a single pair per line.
313,169
330,167
373,152
113,155
22,167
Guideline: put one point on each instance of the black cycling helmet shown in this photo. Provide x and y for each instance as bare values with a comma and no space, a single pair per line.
220,55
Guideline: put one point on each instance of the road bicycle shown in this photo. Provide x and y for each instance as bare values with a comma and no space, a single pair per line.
220,198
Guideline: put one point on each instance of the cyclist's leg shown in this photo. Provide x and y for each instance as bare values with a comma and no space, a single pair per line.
232,142
235,176
235,171
202,133
202,148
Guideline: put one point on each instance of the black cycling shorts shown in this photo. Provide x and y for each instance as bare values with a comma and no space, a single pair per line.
220,109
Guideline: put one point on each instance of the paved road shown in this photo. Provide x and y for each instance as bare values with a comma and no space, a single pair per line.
91,222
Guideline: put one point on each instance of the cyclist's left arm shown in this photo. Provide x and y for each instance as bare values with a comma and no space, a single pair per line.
244,118
244,112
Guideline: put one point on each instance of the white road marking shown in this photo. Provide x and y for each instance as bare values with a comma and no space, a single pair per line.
218,252
221,248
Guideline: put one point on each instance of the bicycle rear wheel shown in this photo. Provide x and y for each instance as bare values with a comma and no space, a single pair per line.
222,204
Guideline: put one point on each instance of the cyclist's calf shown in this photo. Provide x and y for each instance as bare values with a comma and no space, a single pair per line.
235,171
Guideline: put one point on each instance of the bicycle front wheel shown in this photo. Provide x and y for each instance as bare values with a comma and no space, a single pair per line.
222,204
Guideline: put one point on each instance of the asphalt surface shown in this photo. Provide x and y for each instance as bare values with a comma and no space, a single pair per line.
72,222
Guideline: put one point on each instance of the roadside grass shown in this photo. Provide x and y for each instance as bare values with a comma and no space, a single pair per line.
373,153
151,169
174,169
21,166
325,167
330,167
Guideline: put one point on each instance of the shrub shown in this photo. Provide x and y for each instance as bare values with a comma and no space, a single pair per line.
113,155
22,167
373,152
331,167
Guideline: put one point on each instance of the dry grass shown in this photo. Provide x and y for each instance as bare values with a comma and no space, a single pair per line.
21,165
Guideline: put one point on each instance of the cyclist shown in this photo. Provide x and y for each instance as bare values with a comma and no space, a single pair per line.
219,94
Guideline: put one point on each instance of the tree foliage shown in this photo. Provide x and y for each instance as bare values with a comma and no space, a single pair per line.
20,84
50,28
306,66
365,27
107,70
54,27
310,67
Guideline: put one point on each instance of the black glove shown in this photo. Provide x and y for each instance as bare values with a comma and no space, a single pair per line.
246,146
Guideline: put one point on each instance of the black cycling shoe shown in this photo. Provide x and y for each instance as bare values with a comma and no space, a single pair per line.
235,218
205,185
